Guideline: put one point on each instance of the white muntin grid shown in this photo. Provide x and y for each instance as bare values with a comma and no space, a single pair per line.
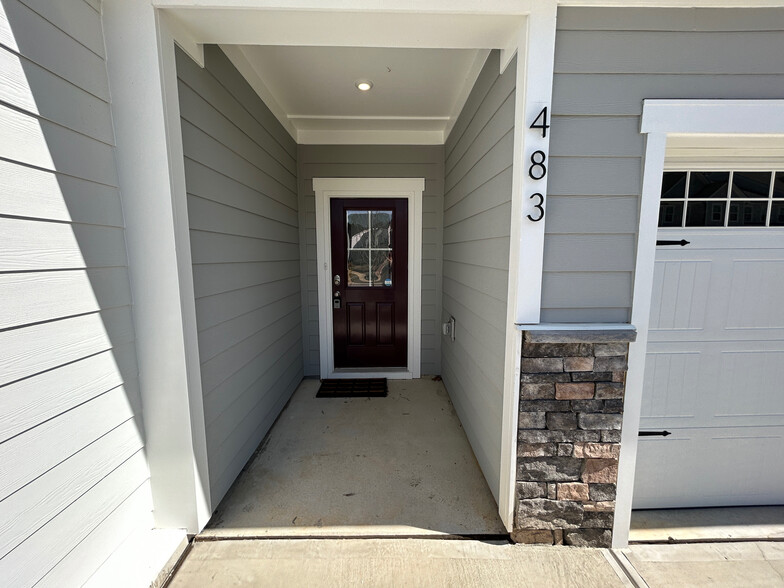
727,199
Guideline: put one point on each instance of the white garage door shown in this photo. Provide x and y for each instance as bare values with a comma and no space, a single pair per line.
714,374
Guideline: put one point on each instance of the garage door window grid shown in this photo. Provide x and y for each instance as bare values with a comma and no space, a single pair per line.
722,199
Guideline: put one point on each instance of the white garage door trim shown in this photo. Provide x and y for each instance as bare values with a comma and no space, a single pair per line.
660,119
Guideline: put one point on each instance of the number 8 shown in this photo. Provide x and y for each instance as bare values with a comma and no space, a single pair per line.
540,164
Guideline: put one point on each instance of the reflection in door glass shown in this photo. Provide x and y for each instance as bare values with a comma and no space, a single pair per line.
369,259
357,270
358,227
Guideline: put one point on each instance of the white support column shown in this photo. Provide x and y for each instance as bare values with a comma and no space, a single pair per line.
145,109
534,83
653,166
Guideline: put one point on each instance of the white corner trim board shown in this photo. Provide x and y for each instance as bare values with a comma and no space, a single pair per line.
533,94
408,188
661,118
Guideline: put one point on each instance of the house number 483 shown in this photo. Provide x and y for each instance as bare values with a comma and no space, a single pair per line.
538,168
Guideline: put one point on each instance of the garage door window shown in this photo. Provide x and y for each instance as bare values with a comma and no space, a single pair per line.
722,199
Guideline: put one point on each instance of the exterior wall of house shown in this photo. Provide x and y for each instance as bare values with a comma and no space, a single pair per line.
607,60
240,167
367,161
74,481
477,212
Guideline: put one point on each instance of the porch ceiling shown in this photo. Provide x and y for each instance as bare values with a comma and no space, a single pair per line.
416,95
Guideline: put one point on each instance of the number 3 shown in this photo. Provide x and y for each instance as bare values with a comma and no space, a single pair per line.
539,207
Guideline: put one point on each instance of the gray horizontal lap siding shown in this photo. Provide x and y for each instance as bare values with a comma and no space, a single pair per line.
607,61
477,213
240,170
74,482
367,161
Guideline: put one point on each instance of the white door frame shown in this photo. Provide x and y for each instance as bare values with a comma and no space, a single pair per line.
660,119
409,188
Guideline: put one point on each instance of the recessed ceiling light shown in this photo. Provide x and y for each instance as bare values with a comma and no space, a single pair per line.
364,85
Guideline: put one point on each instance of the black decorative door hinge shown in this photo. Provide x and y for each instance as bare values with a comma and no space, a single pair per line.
654,433
682,242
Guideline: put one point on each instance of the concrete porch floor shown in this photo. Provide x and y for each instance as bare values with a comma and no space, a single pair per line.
400,465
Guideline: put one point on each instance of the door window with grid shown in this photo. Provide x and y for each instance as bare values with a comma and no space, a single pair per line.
722,199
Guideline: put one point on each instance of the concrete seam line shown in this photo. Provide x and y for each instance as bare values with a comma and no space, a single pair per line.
622,565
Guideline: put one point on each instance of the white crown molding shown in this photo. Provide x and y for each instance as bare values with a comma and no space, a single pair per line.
359,137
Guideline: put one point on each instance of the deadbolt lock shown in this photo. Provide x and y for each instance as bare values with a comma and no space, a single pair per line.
336,280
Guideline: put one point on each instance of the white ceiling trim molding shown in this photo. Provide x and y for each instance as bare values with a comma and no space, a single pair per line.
363,137
237,56
521,7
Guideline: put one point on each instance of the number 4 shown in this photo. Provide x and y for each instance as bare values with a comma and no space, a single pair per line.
543,124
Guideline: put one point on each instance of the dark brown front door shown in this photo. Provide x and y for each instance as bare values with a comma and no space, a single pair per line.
369,281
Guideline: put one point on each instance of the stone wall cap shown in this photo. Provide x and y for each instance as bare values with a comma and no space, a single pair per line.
578,332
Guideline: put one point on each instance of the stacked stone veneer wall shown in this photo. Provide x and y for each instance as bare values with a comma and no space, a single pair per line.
569,433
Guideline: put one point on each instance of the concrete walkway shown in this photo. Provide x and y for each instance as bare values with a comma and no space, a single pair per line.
400,465
437,562
392,563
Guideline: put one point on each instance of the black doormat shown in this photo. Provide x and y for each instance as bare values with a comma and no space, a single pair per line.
354,388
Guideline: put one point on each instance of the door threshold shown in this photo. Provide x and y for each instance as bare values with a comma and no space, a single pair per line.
389,373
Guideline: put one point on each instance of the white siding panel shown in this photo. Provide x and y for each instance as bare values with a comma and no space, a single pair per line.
88,555
26,511
42,397
26,564
34,193
38,142
27,86
68,373
242,212
34,245
477,209
57,439
36,297
45,346
29,34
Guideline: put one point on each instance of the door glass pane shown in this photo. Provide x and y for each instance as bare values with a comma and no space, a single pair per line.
369,255
750,185
777,214
381,267
778,185
705,214
673,185
382,228
358,229
708,184
358,273
747,214
670,214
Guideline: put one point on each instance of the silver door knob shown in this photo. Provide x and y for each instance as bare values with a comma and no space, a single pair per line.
336,280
